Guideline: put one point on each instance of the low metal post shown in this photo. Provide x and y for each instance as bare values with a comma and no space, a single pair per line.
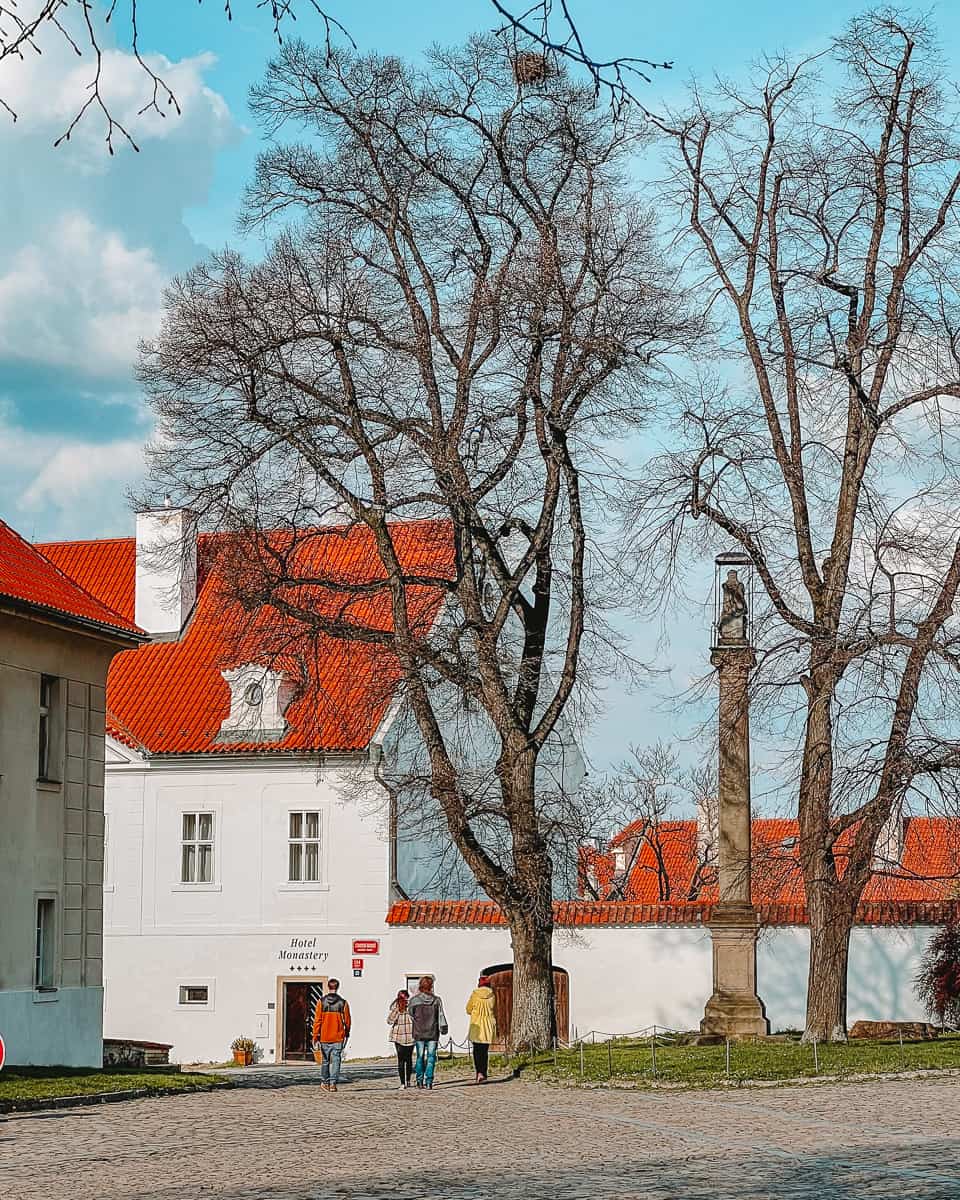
653,1052
728,1058
581,1060
554,1053
609,1058
816,1058
900,1031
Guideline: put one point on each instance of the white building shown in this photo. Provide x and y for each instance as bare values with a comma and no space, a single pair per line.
56,643
249,853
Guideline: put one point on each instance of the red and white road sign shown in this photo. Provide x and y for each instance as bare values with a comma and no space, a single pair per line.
3,1053
358,964
372,946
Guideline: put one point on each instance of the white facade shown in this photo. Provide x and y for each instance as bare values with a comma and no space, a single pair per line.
626,978
248,928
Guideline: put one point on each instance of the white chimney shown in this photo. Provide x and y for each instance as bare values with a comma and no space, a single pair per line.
708,829
166,581
888,852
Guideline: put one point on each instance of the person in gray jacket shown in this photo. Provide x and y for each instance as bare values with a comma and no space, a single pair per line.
429,1022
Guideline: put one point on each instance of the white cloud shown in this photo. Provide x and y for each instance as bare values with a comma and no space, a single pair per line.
52,486
79,297
87,241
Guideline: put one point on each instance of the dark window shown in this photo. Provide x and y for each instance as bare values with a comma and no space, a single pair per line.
190,994
46,744
45,957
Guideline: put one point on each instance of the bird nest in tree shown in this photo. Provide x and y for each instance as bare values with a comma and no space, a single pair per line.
529,67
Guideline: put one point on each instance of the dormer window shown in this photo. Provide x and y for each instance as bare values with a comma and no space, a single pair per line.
258,697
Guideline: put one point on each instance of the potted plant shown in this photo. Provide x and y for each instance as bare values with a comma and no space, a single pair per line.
242,1048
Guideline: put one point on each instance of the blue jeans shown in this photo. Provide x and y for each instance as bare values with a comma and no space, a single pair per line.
426,1061
331,1053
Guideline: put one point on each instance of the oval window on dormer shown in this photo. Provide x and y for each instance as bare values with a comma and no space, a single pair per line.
253,695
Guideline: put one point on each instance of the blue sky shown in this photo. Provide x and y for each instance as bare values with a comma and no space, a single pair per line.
88,241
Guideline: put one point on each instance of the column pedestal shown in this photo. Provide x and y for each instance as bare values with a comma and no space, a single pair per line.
734,1010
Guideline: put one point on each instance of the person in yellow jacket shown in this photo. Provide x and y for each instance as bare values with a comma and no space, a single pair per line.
482,1011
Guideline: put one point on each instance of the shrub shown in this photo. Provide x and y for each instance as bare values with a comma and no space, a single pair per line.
937,984
243,1043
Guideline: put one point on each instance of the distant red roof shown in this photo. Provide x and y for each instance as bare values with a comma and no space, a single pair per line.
665,867
667,886
29,577
170,697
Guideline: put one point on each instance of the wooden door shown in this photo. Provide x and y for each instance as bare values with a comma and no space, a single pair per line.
561,1000
502,984
501,980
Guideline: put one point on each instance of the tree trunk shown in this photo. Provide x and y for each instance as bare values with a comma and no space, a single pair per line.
533,1023
831,921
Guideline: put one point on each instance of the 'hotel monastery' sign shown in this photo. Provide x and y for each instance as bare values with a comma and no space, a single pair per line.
302,952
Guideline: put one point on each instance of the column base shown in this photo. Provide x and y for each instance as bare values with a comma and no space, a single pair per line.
734,1010
739,1018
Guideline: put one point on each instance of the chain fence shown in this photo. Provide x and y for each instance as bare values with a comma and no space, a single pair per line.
661,1054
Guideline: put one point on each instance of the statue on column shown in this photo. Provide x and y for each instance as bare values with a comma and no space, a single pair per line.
733,613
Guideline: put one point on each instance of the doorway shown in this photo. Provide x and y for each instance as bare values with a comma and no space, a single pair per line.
297,1000
501,980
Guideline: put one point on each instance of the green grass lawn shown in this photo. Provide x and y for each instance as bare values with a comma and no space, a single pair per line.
43,1083
632,1061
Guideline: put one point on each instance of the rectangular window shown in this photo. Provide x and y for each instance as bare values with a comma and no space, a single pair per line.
46,747
194,993
45,957
196,852
304,855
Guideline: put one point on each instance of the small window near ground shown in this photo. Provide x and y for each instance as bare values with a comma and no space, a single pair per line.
196,855
194,993
304,847
45,957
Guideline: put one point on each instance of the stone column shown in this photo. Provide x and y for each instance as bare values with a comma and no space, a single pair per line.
734,1010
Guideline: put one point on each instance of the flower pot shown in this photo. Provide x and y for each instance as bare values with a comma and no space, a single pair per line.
243,1058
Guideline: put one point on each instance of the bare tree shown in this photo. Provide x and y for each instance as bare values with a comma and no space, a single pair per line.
469,305
823,235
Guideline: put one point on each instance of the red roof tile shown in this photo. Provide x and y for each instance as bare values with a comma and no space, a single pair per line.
581,913
30,577
170,697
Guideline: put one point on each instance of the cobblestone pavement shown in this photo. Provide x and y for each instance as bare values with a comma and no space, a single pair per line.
286,1140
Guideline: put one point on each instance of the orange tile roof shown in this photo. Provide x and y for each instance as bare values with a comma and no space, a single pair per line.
170,697
27,576
663,887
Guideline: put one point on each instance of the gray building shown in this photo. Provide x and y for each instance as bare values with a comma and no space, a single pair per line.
56,644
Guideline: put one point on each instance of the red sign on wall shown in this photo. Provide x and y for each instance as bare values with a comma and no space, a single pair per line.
358,964
3,1053
369,947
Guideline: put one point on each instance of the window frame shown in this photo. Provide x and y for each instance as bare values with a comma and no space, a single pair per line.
48,730
51,943
182,985
303,841
320,884
196,842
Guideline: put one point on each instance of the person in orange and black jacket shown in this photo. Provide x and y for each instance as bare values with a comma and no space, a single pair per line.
331,1028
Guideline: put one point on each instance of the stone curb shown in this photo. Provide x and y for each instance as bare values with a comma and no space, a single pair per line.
12,1107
